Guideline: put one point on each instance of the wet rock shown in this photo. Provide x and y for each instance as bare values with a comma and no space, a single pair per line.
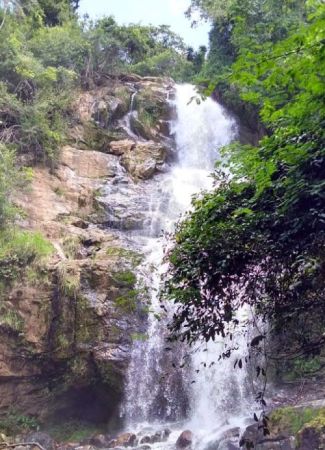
157,437
108,110
41,438
311,437
184,440
164,127
227,445
213,445
252,435
120,147
140,128
144,160
165,434
145,440
143,447
231,433
125,440
100,441
281,444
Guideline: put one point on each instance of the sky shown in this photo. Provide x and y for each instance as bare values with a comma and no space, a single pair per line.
156,12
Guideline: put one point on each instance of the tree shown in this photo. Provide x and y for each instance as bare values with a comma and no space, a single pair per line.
258,238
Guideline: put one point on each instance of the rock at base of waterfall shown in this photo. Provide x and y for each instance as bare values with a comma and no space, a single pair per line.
125,440
283,444
165,434
253,435
145,440
185,440
99,441
227,445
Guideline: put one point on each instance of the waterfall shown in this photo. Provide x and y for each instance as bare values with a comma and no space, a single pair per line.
204,399
126,121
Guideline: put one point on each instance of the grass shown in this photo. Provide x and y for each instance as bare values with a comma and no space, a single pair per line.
20,251
15,422
128,302
69,280
131,256
26,245
73,431
71,246
11,319
293,419
126,278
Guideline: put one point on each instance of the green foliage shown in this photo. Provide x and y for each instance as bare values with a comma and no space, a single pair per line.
69,280
62,46
302,368
34,94
8,182
131,256
10,319
126,278
19,249
146,50
72,431
168,63
71,246
14,423
292,420
128,302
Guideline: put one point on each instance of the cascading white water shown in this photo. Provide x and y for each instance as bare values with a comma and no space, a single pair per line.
153,391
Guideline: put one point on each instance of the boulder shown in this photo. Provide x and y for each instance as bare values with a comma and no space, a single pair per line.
227,445
120,147
41,438
99,441
251,435
124,440
89,164
167,432
311,437
164,127
100,105
184,440
144,159
281,444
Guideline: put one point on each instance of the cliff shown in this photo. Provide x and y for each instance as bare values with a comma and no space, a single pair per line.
66,334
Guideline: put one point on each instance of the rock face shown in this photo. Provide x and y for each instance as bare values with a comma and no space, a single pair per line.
120,147
69,342
144,159
185,440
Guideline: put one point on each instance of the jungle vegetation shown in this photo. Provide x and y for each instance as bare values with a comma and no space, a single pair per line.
257,240
47,52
